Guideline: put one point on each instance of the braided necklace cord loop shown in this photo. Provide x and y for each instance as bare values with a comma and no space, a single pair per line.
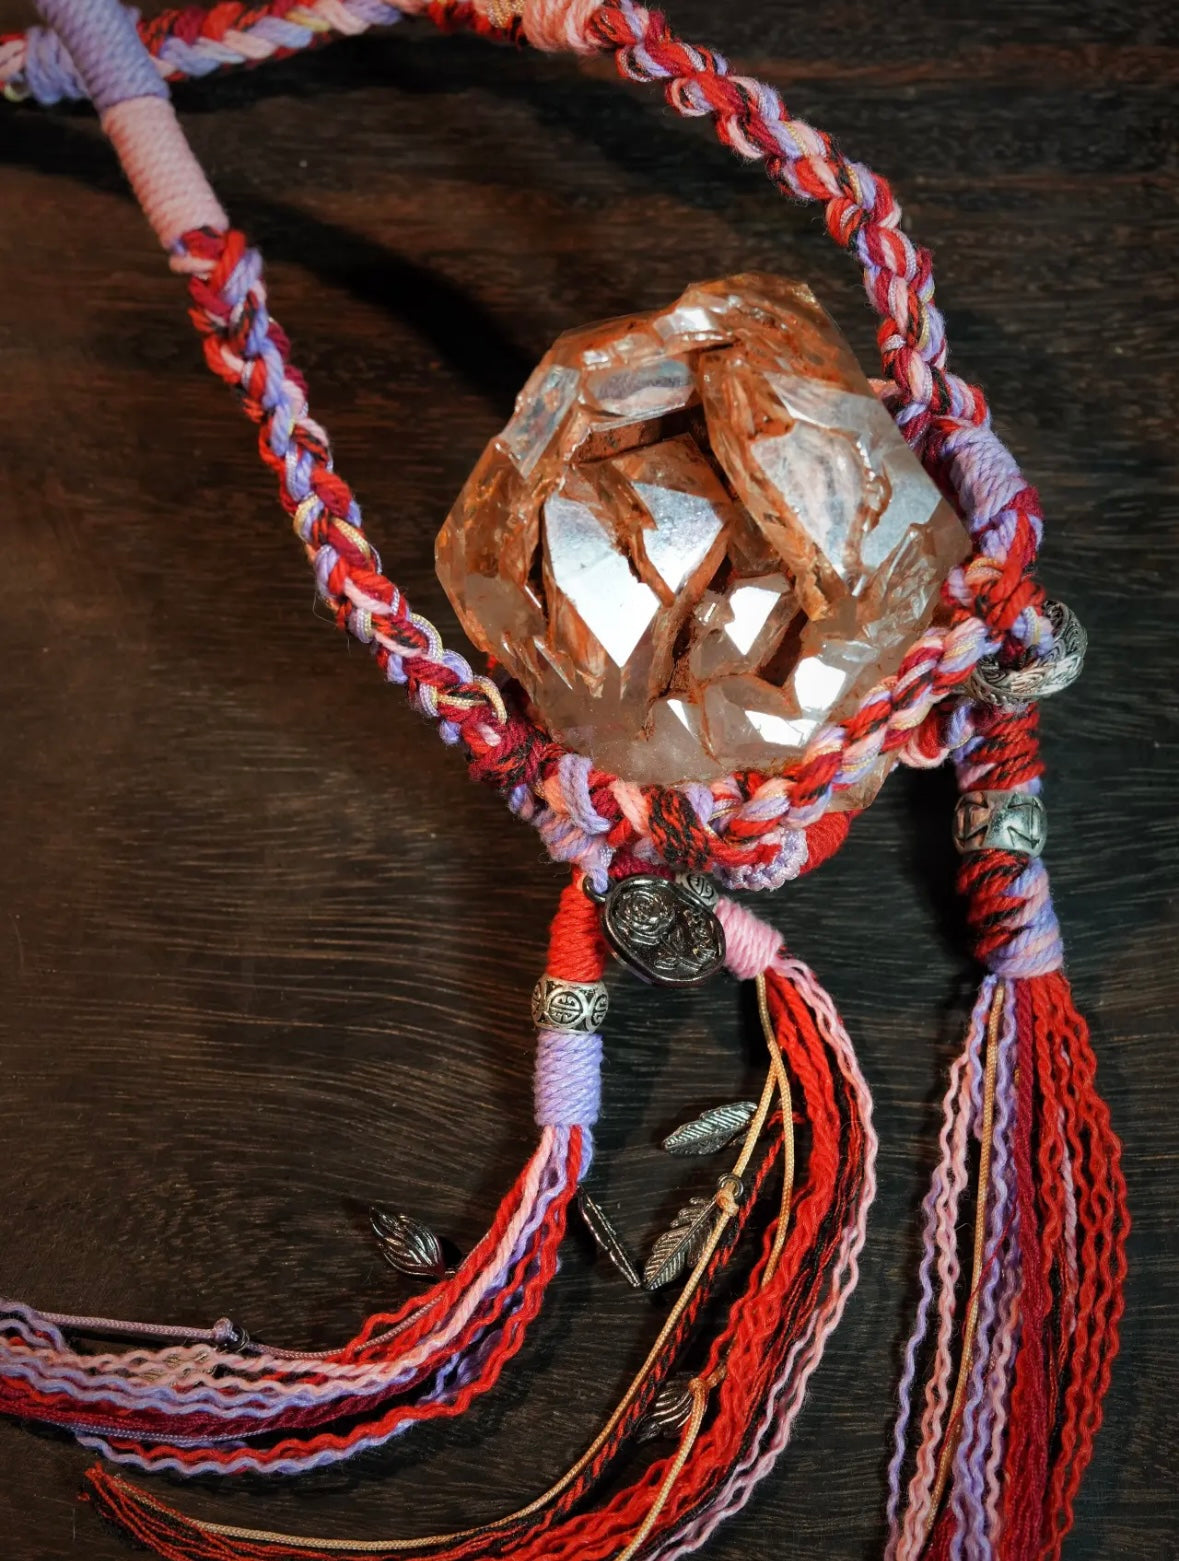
744,829
1007,1452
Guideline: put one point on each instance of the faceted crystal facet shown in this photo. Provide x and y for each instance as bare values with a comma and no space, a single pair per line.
701,537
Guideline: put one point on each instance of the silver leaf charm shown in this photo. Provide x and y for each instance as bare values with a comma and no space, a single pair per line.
680,1244
602,1230
407,1245
711,1130
670,1412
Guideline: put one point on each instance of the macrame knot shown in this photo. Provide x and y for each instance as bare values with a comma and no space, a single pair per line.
789,859
751,945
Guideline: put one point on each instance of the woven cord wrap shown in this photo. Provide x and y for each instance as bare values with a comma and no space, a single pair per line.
106,52
137,116
1008,903
568,1084
744,828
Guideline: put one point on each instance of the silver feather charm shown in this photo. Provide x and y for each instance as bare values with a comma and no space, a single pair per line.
711,1130
602,1230
670,1412
680,1244
407,1245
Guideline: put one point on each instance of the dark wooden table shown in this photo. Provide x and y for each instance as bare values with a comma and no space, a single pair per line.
265,954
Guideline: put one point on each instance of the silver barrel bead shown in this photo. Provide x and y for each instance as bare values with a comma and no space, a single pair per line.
1010,688
577,1006
1000,821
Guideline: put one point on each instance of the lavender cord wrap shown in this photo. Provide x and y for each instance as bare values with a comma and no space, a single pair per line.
568,1082
106,52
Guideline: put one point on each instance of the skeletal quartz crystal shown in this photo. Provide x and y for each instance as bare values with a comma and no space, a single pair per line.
700,537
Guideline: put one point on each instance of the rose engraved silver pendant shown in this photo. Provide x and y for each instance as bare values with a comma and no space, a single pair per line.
662,929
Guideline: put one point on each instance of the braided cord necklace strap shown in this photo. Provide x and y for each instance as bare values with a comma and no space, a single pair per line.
747,828
190,43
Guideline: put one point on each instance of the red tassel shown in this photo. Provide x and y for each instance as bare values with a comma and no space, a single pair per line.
771,1342
1027,1454
1094,1294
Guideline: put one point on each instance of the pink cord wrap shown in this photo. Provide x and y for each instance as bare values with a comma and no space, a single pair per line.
752,945
167,179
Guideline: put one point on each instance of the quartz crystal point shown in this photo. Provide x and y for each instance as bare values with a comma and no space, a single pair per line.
700,538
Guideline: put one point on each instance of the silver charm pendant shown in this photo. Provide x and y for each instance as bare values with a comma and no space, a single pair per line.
670,1412
664,929
407,1245
712,1130
601,1228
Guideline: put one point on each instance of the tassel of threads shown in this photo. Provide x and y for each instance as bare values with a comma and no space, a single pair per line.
1020,1341
220,1405
748,1392
199,1408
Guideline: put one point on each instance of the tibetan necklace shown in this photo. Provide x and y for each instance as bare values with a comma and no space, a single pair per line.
726,583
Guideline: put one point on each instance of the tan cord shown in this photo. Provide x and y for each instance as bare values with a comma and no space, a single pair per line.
778,1068
699,1391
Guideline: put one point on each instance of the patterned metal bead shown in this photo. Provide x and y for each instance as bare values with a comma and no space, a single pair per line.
407,1245
578,1006
701,886
1000,821
1013,687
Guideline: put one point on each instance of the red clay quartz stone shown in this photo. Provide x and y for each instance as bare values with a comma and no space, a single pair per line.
700,538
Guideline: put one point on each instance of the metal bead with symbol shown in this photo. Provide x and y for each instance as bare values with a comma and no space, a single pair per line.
1010,688
1000,821
577,1006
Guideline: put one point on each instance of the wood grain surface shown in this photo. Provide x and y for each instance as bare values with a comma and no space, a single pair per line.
265,954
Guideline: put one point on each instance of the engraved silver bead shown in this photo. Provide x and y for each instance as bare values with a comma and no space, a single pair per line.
577,1006
1013,687
407,1245
1000,821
